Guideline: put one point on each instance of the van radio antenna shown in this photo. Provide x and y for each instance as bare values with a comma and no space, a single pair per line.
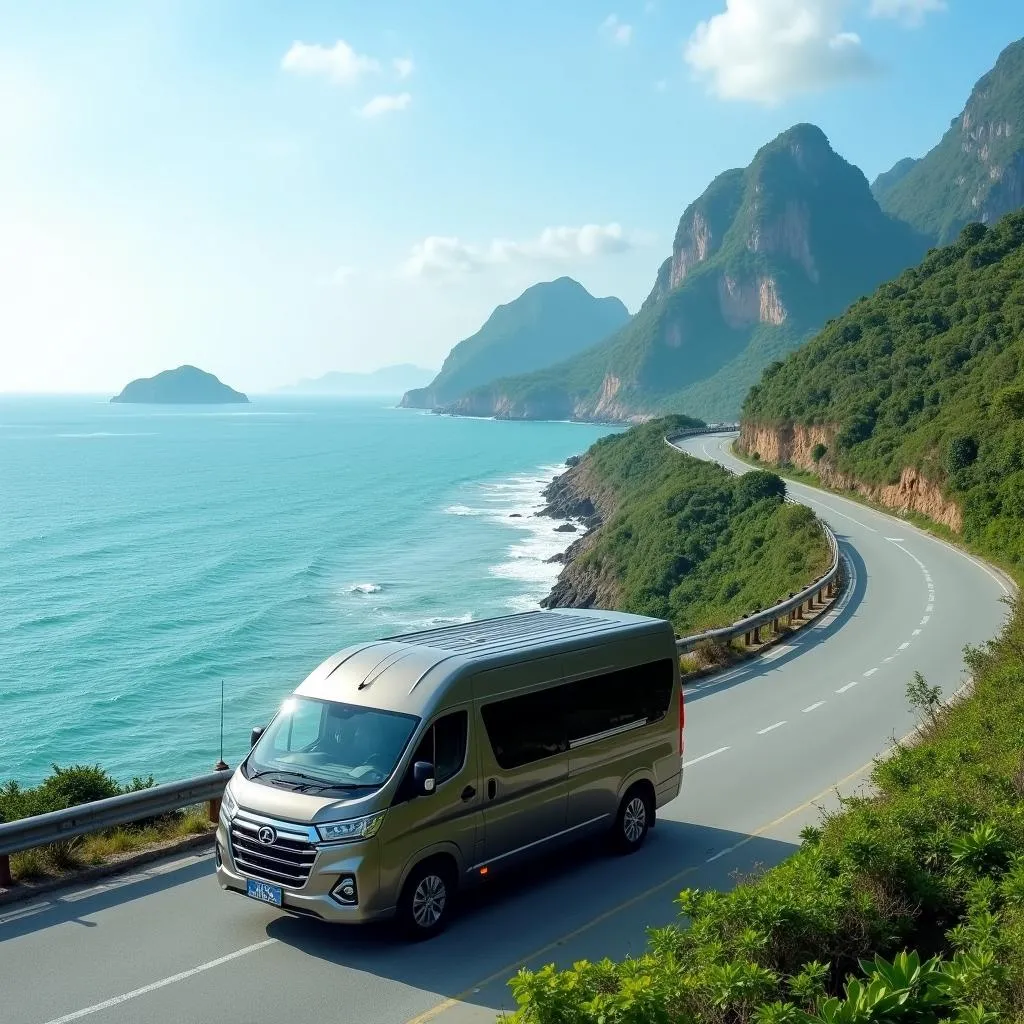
221,765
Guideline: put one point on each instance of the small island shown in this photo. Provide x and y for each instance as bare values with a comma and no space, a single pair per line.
187,385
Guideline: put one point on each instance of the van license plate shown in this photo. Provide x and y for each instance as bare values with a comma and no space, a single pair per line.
263,891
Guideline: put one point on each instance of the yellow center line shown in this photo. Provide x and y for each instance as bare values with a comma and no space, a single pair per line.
509,969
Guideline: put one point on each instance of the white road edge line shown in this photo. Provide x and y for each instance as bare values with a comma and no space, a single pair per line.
704,757
173,979
761,732
814,706
848,686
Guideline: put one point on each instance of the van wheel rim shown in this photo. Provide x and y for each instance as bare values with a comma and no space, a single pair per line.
428,900
634,821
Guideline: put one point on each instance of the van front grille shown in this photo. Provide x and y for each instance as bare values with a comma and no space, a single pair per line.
286,861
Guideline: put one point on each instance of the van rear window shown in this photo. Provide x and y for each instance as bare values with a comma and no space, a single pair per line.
544,723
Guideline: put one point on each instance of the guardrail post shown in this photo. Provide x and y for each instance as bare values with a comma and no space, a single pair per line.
5,871
757,634
746,638
775,626
214,808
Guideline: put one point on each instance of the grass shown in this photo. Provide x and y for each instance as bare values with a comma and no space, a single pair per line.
102,847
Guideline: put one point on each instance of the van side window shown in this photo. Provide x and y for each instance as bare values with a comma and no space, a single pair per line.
527,728
617,699
444,746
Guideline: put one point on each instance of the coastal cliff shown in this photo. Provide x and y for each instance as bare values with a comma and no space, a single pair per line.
796,445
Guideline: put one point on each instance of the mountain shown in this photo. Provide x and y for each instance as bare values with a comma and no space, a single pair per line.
976,172
760,261
388,380
915,397
547,323
186,385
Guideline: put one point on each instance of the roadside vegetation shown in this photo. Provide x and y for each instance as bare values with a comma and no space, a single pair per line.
688,540
79,784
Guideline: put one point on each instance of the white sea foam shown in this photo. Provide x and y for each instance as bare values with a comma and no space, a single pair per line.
365,588
464,510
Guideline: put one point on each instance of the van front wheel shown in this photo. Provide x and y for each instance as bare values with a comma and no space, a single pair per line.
426,902
633,821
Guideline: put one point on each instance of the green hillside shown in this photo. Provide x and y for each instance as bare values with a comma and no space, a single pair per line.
762,259
684,539
976,172
929,373
548,322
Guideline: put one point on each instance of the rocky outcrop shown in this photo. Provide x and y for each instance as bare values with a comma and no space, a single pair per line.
574,495
796,445
185,385
744,304
787,234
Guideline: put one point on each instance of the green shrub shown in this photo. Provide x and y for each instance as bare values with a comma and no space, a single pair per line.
818,452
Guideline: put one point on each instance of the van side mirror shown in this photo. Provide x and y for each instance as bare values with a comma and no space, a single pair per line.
423,778
254,736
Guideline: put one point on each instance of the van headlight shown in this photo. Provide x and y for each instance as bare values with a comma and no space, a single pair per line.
354,828
228,803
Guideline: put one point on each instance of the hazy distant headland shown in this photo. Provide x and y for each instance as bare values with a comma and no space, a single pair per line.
186,385
388,380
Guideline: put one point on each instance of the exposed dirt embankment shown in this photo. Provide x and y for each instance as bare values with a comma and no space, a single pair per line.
795,444
576,495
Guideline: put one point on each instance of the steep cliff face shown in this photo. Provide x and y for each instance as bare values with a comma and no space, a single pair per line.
976,172
765,256
795,444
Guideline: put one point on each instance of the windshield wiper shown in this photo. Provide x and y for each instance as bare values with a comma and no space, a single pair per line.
316,783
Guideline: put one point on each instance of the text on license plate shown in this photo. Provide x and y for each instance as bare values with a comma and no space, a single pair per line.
263,891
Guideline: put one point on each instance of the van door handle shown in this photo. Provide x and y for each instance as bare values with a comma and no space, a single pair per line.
492,789
468,793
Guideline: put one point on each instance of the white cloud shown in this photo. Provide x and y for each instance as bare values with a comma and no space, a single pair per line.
339,63
404,66
766,51
385,104
616,30
448,256
910,12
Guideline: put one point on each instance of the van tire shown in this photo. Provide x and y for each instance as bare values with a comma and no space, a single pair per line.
634,820
425,906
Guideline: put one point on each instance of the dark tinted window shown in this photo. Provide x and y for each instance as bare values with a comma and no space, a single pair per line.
527,728
609,701
444,746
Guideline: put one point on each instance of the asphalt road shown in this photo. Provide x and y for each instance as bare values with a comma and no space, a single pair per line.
766,747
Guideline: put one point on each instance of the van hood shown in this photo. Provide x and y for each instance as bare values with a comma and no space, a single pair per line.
286,804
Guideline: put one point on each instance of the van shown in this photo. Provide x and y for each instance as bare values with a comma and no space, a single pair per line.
403,770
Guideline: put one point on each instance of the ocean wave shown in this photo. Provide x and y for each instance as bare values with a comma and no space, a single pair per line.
464,510
437,621
365,588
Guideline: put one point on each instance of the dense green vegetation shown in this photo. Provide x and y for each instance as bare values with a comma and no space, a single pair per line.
928,372
547,323
799,217
79,784
975,169
691,542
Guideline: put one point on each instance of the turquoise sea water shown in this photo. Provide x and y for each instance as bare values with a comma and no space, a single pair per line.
148,553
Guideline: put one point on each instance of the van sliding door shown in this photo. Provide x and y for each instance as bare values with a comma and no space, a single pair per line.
524,757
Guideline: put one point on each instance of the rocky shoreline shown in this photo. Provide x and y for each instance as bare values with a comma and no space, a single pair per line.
574,500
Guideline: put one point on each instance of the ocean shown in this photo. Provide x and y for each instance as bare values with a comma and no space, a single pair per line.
149,553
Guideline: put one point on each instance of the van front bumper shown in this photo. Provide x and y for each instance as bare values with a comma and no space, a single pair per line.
314,898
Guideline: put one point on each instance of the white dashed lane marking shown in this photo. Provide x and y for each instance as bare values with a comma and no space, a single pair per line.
870,672
813,707
761,732
704,757
848,686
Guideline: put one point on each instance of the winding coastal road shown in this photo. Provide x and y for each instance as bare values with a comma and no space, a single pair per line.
767,744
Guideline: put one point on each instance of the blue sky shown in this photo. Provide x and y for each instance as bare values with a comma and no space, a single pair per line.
273,191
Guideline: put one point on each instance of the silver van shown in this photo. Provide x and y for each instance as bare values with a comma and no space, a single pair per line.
405,769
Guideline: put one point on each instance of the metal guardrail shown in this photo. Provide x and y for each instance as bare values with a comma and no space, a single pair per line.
56,826
29,833
791,607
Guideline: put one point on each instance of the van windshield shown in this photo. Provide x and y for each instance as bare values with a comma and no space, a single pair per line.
319,744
